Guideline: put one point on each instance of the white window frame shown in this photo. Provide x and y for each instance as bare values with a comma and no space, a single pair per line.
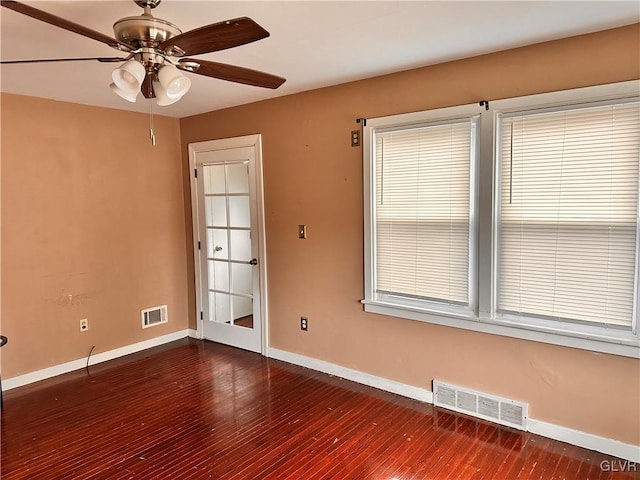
403,307
483,254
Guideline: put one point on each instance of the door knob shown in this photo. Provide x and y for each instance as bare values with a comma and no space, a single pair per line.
253,261
218,248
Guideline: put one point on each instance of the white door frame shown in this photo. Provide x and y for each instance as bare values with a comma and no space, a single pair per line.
254,141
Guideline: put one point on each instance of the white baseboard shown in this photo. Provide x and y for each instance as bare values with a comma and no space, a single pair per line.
27,378
549,430
194,334
354,375
585,440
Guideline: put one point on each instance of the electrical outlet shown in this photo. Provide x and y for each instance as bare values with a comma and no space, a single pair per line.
84,325
355,138
304,323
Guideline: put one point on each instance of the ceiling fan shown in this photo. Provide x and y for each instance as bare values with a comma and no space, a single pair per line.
158,51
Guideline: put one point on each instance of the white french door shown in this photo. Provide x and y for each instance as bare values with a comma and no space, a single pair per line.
227,218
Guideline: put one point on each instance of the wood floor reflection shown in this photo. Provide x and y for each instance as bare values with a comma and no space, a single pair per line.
246,321
199,410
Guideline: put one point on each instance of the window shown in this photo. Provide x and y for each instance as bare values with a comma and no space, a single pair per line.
423,195
423,210
521,220
568,209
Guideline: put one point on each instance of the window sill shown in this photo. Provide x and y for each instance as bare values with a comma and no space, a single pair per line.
626,346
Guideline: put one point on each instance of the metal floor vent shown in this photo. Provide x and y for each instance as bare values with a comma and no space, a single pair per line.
483,405
154,316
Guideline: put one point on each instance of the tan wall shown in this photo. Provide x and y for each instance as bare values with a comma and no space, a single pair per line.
313,176
92,227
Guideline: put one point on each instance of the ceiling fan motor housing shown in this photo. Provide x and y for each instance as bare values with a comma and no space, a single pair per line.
145,33
144,30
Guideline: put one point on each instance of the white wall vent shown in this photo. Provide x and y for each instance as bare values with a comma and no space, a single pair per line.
154,316
504,411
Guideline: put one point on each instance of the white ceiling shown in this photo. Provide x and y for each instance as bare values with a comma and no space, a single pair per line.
313,43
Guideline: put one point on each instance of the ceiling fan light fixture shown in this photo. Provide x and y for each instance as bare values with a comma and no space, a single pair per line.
129,76
161,95
128,96
173,82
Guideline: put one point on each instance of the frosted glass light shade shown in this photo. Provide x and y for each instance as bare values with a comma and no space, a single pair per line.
174,83
161,95
129,76
128,96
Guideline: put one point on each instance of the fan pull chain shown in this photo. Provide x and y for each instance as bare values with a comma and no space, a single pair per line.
152,135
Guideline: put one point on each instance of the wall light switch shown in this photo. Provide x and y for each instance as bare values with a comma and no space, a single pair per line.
302,231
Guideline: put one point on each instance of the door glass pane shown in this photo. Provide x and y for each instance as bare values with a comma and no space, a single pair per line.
240,245
238,177
217,246
215,211
239,211
241,278
218,275
243,312
223,308
214,179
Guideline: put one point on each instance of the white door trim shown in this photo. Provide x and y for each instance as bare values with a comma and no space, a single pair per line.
254,141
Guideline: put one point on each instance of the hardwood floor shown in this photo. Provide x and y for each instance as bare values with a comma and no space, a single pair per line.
199,410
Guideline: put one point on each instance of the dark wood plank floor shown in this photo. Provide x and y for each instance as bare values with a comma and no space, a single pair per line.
198,410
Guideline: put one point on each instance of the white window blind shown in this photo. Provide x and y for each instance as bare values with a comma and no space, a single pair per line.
422,212
568,214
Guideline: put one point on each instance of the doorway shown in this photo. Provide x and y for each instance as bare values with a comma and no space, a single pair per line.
229,253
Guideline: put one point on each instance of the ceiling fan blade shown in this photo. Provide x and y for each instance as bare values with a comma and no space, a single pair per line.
64,24
214,37
147,87
51,60
232,73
